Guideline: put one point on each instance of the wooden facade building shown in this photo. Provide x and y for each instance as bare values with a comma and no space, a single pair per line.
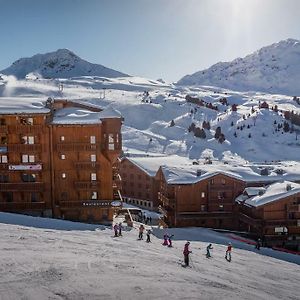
272,213
206,200
60,160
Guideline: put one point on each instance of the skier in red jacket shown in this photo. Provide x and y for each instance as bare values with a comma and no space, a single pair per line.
186,253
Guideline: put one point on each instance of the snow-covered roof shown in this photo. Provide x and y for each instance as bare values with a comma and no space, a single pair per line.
22,105
274,192
254,191
109,113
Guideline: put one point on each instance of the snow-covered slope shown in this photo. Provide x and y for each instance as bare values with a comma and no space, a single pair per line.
59,64
86,262
272,69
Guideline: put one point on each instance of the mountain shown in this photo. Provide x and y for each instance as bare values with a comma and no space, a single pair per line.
272,69
59,64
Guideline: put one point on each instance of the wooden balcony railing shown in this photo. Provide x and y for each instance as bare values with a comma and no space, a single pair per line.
3,129
21,206
76,147
86,185
27,128
87,165
21,187
293,208
251,221
24,148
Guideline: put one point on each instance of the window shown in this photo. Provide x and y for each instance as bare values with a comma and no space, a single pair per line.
94,196
28,140
203,207
93,157
62,156
28,177
8,196
93,176
111,142
2,122
3,140
63,175
26,121
34,197
3,178
3,159
28,158
62,138
211,181
31,158
223,181
93,139
202,194
221,207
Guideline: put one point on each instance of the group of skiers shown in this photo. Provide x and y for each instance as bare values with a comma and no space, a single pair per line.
168,240
187,252
141,233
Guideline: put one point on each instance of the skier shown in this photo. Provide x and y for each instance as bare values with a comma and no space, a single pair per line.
120,229
141,231
170,240
186,253
116,229
166,237
148,236
258,244
228,252
208,248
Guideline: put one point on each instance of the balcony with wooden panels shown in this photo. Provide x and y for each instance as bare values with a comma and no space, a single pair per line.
22,187
27,128
3,129
24,147
86,185
166,201
22,206
76,147
293,208
87,165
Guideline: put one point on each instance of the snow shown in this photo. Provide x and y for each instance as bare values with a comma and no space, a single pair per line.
273,193
47,263
272,69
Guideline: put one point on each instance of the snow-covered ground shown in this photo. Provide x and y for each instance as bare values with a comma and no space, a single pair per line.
86,262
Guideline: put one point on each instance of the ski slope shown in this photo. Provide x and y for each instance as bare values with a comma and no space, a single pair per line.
86,262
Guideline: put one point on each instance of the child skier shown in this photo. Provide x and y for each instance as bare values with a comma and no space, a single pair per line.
228,252
170,240
120,229
208,248
148,236
186,253
166,237
141,231
116,229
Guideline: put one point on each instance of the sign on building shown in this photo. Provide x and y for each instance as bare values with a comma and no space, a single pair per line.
36,167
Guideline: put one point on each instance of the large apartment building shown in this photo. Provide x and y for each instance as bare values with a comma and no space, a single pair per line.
60,159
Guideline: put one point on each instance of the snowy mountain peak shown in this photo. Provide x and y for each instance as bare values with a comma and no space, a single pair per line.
273,69
62,63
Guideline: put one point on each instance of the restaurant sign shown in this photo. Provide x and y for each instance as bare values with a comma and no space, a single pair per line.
36,167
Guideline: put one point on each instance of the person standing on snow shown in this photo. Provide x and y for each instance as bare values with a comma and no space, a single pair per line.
166,237
116,229
258,244
186,253
208,248
228,252
120,229
141,231
148,236
170,240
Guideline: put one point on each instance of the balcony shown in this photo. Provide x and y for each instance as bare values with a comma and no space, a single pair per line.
293,208
21,206
3,129
24,147
76,147
22,187
165,201
117,182
87,165
86,185
27,128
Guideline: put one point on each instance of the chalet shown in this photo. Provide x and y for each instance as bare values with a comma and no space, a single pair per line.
264,105
59,159
272,213
189,198
139,185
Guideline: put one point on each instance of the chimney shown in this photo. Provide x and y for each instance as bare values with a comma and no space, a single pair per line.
288,187
199,173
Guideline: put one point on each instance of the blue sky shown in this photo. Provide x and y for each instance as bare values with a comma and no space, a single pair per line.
151,38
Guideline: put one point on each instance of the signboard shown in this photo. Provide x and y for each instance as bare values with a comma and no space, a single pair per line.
36,167
96,203
281,230
116,203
